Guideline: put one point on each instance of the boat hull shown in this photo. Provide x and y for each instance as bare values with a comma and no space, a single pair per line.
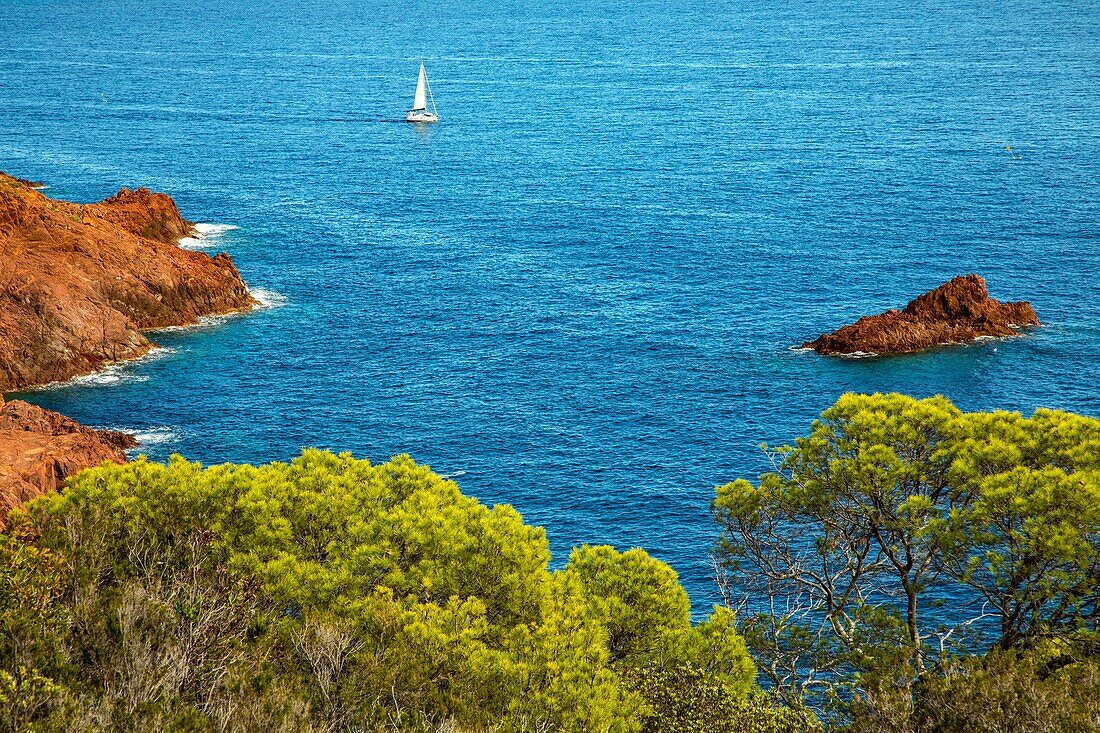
418,116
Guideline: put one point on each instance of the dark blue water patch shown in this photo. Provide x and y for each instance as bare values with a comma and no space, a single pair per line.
582,287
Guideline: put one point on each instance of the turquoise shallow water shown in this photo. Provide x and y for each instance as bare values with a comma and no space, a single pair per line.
579,291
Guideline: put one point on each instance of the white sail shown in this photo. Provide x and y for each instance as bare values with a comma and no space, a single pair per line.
419,101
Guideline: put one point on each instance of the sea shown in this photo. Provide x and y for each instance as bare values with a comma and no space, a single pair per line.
583,291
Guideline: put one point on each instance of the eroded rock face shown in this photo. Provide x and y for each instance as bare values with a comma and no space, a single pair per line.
39,449
79,283
956,312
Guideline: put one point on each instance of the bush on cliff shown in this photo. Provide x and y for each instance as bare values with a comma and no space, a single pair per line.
327,594
1054,686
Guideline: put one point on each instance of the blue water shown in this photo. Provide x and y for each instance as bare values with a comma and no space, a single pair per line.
582,286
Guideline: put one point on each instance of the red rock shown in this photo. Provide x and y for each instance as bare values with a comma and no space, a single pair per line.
144,213
955,312
39,449
79,283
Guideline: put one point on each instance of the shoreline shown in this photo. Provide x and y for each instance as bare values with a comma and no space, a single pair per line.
265,300
1022,332
83,288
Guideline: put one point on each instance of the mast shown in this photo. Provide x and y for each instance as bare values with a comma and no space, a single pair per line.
419,101
430,95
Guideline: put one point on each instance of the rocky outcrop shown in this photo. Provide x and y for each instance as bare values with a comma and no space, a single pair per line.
955,312
78,286
39,449
79,283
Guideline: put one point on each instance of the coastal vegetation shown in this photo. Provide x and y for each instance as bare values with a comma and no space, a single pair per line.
900,537
329,594
906,566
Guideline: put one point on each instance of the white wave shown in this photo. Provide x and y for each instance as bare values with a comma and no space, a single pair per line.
267,298
799,348
208,236
120,372
147,437
858,355
210,230
1007,337
192,243
155,436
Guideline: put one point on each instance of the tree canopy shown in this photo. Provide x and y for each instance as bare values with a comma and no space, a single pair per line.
327,594
905,566
902,531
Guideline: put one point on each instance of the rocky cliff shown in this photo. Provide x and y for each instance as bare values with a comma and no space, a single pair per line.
955,312
39,449
79,283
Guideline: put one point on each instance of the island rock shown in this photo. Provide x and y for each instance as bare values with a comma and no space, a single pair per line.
956,312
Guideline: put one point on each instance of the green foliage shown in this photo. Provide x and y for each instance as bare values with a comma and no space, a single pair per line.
640,598
647,616
846,524
1026,535
1053,687
327,594
686,699
715,647
891,504
31,616
28,700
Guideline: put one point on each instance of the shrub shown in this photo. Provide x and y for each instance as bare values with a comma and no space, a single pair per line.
1032,691
685,699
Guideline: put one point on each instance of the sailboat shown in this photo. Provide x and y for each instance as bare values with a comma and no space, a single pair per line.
419,112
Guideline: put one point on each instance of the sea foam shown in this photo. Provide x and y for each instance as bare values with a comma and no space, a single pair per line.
208,230
150,436
119,372
267,298
208,236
